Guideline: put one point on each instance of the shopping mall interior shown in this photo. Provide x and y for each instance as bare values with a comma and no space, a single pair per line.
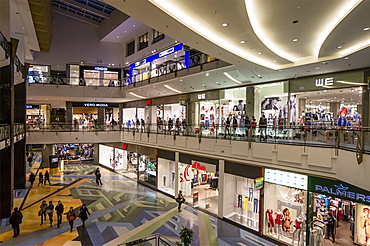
232,122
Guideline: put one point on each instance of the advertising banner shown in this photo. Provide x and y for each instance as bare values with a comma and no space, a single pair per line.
362,228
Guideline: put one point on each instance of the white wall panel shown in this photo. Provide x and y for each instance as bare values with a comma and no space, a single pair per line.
207,145
262,150
320,157
72,137
240,148
289,153
193,143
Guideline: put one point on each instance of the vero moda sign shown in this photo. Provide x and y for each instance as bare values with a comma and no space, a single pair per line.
339,189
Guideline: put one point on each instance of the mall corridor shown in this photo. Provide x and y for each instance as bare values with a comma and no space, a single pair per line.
121,211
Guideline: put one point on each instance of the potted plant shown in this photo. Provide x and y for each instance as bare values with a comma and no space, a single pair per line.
186,236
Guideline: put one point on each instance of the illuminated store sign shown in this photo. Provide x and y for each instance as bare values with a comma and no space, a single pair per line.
201,96
337,188
289,179
95,105
101,68
324,82
157,56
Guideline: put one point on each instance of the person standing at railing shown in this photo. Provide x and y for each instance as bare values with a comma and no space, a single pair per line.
75,123
235,125
142,125
227,127
177,125
137,124
170,125
263,125
183,123
253,126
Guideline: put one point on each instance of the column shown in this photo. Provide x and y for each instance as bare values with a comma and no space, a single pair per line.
301,106
177,175
69,113
120,108
96,154
101,116
6,184
46,109
221,188
47,150
20,164
249,102
334,107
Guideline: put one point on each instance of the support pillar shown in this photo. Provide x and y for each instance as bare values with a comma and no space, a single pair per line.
101,116
69,113
177,175
96,154
47,150
221,188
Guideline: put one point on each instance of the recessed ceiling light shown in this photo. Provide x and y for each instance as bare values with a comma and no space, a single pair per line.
242,42
259,53
224,24
346,58
366,28
317,67
117,36
207,74
295,21
339,47
299,51
295,40
133,25
274,61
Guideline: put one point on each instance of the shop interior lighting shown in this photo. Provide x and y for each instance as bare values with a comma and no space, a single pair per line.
231,77
136,95
350,83
172,89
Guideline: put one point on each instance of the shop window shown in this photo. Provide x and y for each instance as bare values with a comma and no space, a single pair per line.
130,48
157,36
143,41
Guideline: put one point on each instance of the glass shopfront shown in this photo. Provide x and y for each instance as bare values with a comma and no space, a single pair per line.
242,196
87,115
339,212
166,176
74,151
94,76
147,169
285,199
199,185
38,74
113,158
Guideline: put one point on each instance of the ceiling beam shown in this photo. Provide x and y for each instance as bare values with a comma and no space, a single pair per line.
74,16
87,8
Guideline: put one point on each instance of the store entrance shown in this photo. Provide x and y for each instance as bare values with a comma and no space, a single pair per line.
342,227
199,184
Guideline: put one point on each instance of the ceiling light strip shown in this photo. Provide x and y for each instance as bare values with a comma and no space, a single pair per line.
172,89
254,15
330,26
202,29
355,48
231,77
136,95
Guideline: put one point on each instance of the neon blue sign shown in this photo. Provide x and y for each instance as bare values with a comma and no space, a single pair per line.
101,68
342,191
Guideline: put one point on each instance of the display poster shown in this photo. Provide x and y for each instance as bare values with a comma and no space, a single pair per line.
275,107
362,229
289,179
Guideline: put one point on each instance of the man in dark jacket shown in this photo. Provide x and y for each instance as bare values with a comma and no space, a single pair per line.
59,209
32,178
15,220
47,177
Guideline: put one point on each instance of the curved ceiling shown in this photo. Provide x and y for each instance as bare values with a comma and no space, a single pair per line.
274,34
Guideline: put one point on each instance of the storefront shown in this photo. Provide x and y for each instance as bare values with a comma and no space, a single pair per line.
87,115
285,200
94,75
166,61
34,115
113,158
198,181
166,171
204,111
349,206
242,198
74,151
38,74
329,100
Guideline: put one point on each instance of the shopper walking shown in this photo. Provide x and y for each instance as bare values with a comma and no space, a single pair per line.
42,211
330,224
83,215
15,220
71,216
263,126
50,211
180,200
47,177
41,179
59,208
98,177
32,178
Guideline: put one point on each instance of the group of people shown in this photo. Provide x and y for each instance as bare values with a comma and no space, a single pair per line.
47,210
42,178
176,125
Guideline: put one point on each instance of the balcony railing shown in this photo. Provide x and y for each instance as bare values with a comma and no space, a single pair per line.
152,240
348,138
4,132
145,77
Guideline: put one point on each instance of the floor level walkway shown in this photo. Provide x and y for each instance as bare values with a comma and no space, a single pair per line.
121,211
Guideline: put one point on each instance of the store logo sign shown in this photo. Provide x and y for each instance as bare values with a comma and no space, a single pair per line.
341,190
201,96
185,176
167,52
96,104
101,68
324,82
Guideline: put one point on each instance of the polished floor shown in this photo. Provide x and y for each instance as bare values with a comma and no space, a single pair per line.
121,211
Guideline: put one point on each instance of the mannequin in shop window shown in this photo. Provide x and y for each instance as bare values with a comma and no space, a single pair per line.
270,221
298,230
342,121
279,223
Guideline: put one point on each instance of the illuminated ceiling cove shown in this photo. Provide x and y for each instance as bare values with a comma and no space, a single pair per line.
275,34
